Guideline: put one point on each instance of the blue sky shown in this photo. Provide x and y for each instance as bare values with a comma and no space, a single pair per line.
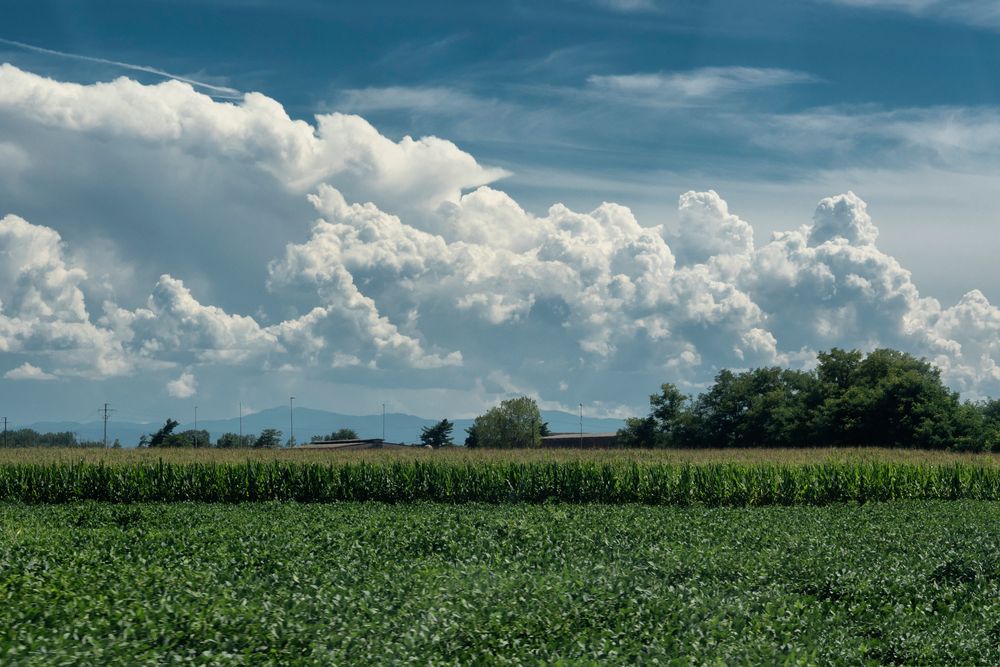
772,105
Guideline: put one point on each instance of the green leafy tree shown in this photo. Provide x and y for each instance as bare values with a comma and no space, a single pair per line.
885,398
890,398
763,407
438,435
669,424
196,438
235,441
269,438
472,436
638,432
27,437
159,439
515,423
339,434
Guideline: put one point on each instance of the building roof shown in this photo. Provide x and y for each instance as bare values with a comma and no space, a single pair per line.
570,436
356,443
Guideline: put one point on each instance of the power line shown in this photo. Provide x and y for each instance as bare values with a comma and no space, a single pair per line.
106,411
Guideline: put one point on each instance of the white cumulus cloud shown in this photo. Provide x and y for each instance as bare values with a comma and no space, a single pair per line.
28,372
257,129
415,273
184,386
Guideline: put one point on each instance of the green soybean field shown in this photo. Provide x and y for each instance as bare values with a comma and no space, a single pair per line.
908,582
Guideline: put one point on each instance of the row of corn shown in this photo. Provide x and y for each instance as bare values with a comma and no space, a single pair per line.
496,482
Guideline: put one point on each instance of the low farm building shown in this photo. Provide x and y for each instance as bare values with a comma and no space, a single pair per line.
345,445
578,440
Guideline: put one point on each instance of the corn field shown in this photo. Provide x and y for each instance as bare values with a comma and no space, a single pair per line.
727,484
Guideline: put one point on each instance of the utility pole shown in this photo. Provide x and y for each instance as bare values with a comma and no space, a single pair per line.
291,422
581,426
5,432
106,410
196,426
241,423
383,422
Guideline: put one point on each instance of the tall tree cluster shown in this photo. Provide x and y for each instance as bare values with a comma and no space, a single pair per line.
515,423
269,438
885,398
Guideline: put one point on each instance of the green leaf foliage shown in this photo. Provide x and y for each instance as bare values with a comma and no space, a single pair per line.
165,436
235,441
515,423
887,398
438,435
339,434
912,583
269,438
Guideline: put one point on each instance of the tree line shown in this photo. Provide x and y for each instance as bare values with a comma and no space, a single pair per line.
26,437
439,435
269,438
886,398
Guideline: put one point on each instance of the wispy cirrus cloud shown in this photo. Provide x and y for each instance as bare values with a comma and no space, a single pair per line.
982,13
697,85
213,89
628,5
960,138
425,99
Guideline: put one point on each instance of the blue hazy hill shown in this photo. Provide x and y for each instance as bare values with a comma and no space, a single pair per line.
309,422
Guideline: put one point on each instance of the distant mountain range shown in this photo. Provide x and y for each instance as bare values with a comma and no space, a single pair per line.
308,422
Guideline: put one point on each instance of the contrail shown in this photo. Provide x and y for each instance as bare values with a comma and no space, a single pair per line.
220,91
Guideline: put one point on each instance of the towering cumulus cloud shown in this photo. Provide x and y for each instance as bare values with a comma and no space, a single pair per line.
414,271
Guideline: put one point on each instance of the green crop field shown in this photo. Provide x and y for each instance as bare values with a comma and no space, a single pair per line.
531,557
370,583
499,481
801,455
